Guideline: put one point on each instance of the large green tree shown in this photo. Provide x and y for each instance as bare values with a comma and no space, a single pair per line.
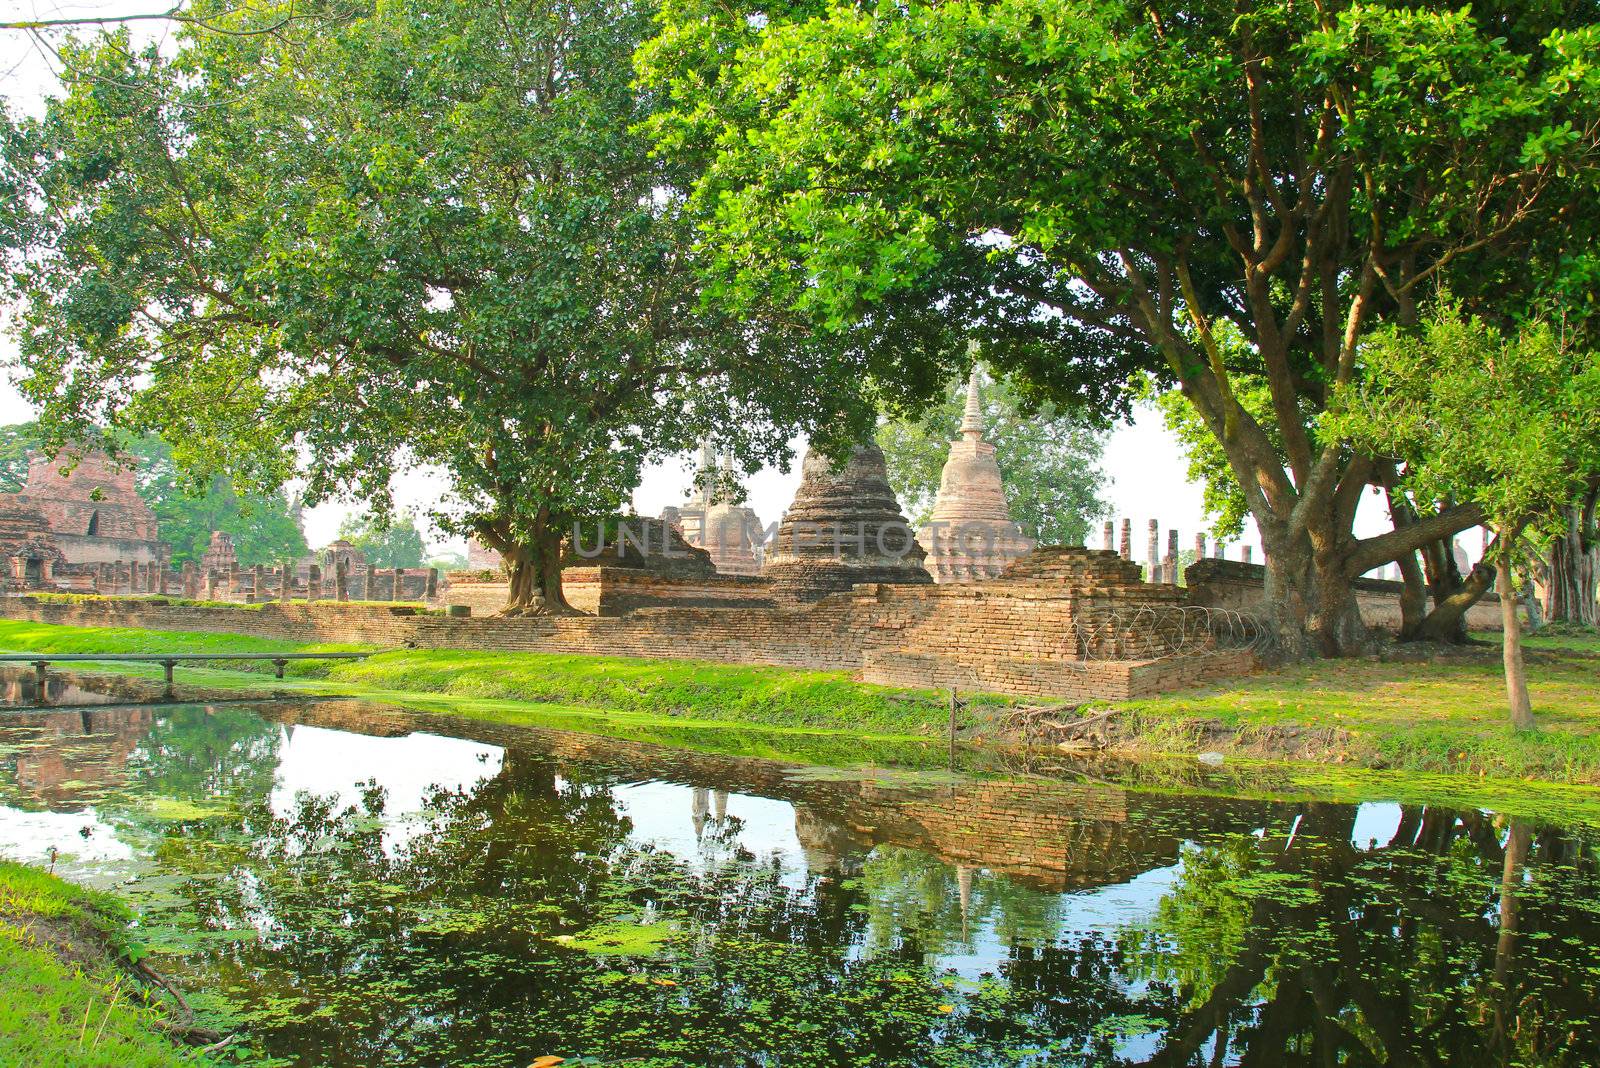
1136,174
1049,461
375,236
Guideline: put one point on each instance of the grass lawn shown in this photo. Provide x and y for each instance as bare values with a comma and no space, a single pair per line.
1440,717
1431,716
679,689
63,999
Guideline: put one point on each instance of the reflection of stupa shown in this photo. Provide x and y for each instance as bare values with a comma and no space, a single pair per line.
712,520
971,536
844,527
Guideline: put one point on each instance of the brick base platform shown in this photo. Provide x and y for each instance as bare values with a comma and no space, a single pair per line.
1022,634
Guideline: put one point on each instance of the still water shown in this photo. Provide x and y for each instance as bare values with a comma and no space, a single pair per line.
360,885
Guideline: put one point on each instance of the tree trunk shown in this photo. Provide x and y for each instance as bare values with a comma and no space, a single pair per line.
1571,577
1516,672
1311,605
1448,620
533,569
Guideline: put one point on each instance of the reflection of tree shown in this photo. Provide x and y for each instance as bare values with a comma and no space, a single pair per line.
1304,950
200,753
443,939
921,906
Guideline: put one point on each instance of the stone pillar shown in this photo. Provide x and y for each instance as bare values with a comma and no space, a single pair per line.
1154,548
1199,547
190,580
431,593
341,579
1247,551
211,585
397,584
1171,567
258,585
286,587
313,583
1127,539
1110,535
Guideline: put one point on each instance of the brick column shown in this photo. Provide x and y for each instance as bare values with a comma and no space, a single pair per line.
313,583
1127,539
1247,550
1155,551
341,579
1172,556
258,586
286,587
1110,535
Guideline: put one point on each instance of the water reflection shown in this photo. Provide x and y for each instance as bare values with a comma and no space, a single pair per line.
369,886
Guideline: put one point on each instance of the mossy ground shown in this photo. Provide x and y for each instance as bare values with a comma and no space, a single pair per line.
63,998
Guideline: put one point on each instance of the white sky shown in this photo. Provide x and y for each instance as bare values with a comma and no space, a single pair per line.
1143,461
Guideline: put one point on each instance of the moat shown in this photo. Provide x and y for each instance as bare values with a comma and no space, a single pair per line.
350,884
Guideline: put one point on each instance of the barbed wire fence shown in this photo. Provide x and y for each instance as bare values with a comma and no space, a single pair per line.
1165,632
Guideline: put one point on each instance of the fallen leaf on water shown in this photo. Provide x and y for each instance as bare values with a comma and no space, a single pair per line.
947,1008
664,982
547,1062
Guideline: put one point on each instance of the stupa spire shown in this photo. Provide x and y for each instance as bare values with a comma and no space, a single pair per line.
972,418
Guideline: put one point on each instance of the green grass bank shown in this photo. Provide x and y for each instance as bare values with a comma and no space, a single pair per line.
1441,716
65,996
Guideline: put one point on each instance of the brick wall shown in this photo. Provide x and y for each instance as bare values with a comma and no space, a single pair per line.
1021,636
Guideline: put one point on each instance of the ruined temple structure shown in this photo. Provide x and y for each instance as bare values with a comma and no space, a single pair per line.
844,527
480,557
92,513
970,537
28,555
219,556
713,520
634,562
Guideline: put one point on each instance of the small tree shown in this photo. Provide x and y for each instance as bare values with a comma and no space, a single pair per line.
1508,421
392,541
1050,462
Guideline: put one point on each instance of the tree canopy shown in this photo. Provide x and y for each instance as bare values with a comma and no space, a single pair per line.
1119,181
1050,462
305,252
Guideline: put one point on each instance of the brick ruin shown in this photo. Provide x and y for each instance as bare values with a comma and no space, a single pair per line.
843,587
970,536
83,528
844,528
71,520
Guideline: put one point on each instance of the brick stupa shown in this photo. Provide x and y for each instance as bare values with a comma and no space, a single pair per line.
844,527
970,537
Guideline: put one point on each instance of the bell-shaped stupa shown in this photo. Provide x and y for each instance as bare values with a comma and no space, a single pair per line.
844,527
970,537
